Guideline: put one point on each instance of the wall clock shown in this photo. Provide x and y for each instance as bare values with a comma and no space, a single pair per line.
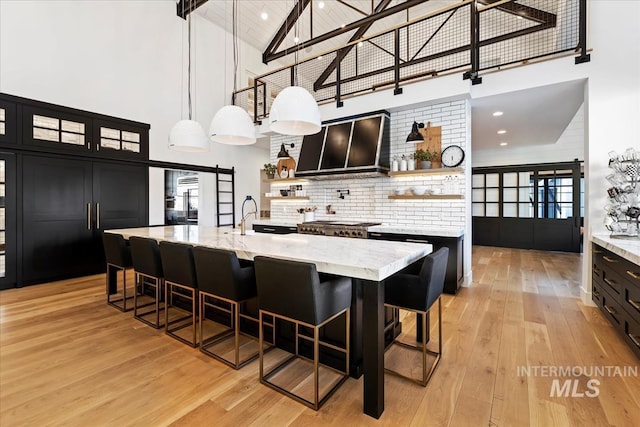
452,156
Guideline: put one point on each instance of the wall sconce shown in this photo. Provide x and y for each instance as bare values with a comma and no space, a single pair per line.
415,136
283,154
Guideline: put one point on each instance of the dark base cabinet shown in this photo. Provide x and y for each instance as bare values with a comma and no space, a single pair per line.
455,272
616,290
275,229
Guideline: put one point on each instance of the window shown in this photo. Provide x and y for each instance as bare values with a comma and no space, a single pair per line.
57,130
116,139
3,122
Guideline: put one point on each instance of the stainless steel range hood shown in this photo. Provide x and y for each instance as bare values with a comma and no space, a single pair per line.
355,146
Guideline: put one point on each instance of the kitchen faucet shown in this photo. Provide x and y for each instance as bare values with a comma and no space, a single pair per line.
243,231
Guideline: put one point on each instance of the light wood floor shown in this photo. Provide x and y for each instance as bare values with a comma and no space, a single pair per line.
66,358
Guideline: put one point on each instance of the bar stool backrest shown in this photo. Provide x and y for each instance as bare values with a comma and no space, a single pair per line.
219,272
288,288
177,264
116,251
432,274
145,254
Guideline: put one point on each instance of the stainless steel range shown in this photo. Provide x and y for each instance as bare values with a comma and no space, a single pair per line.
337,228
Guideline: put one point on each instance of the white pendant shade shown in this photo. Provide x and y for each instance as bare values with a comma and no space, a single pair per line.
232,125
295,112
188,135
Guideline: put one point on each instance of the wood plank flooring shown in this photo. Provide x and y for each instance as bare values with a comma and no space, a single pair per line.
66,358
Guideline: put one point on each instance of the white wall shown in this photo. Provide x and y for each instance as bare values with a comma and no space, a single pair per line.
570,146
125,59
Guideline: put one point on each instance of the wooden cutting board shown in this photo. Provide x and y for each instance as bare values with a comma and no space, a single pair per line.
432,136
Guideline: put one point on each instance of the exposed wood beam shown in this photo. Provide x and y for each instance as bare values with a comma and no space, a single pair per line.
526,12
284,29
185,7
269,55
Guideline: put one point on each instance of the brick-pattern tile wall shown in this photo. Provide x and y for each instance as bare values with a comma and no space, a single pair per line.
368,197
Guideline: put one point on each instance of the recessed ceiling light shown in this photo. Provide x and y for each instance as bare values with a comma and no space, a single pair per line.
497,114
520,17
360,44
342,26
264,16
502,144
320,58
502,132
321,5
296,39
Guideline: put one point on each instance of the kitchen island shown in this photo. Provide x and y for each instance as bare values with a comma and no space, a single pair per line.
369,261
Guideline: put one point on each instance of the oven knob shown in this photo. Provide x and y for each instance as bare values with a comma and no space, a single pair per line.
354,233
335,233
360,233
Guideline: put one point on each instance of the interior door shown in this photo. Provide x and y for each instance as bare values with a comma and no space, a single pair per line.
8,208
57,219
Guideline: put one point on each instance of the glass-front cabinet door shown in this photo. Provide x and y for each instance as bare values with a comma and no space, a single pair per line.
56,130
120,140
7,122
7,221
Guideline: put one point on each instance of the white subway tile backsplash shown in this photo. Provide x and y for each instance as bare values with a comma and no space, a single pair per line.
367,198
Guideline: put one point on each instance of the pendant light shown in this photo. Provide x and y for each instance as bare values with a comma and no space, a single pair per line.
232,124
188,135
295,111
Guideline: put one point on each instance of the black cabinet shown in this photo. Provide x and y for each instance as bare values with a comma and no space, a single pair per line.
274,229
8,122
615,288
455,271
66,205
8,212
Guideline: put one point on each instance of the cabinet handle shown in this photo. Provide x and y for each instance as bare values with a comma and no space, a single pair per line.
269,229
596,270
611,283
88,216
634,275
611,311
375,234
596,293
97,216
606,258
88,145
97,147
596,251
635,304
417,241
635,340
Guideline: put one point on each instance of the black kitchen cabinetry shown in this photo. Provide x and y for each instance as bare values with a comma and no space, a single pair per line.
66,205
275,229
68,175
616,290
455,274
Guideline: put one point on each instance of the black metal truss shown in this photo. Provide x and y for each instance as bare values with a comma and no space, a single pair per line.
185,7
527,12
270,53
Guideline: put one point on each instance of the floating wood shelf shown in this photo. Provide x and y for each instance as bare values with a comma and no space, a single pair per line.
288,198
441,171
427,196
284,180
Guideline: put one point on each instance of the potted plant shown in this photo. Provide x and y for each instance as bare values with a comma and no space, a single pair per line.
270,170
425,157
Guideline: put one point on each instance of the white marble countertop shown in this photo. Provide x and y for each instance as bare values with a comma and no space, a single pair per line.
628,249
416,230
382,228
359,258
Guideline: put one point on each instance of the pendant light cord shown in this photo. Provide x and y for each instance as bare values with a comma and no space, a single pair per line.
189,62
295,74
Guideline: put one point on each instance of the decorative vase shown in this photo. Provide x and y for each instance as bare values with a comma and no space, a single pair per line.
284,173
292,173
394,166
271,175
403,164
411,164
425,164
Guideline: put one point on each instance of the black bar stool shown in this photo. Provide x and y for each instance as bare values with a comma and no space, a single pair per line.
118,258
226,287
292,291
180,285
145,254
418,293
